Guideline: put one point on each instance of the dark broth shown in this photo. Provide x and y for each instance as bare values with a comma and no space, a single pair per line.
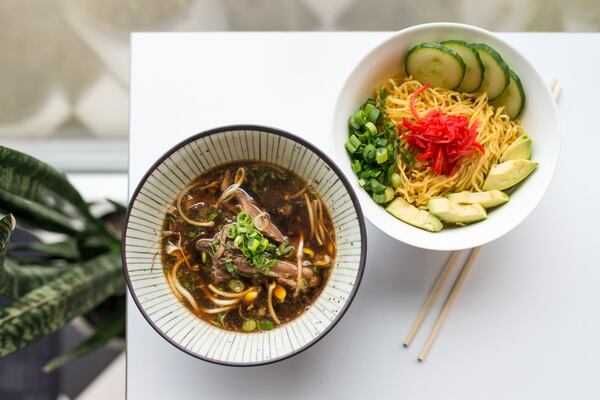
207,263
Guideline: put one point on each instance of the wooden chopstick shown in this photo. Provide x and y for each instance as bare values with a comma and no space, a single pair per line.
432,296
449,302
555,91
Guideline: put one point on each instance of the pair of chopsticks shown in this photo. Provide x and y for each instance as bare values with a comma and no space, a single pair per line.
449,300
443,277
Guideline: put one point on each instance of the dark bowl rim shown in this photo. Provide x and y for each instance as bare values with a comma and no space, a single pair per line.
297,139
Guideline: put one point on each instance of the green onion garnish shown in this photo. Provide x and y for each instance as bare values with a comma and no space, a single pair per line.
396,180
252,245
249,325
381,155
373,115
359,118
369,152
377,187
379,198
352,144
371,128
389,194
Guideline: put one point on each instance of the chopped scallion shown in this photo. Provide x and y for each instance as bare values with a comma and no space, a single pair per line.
359,118
373,115
353,123
249,325
235,285
381,142
396,180
352,144
389,194
265,325
238,241
377,187
252,245
371,128
369,152
379,198
381,155
231,231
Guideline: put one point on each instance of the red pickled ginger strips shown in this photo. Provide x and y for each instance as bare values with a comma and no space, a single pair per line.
440,140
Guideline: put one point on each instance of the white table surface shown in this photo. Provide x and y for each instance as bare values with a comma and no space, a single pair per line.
526,324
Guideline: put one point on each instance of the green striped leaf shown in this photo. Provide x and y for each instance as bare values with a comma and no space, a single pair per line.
7,226
16,280
49,307
119,208
65,250
113,327
37,193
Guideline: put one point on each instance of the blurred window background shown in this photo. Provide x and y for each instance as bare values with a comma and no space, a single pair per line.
64,95
65,63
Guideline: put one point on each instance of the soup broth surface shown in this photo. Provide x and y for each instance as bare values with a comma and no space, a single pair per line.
247,246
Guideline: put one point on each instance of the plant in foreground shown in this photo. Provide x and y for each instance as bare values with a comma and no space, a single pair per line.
52,283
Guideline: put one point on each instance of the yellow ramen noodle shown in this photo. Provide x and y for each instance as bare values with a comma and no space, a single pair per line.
496,133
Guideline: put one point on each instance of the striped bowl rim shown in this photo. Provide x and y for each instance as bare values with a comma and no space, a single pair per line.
298,140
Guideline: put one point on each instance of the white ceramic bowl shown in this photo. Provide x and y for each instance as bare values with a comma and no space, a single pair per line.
539,119
159,187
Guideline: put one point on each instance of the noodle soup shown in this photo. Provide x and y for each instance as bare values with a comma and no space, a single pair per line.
247,246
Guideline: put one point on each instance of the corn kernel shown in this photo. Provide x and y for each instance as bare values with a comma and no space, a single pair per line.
279,292
250,296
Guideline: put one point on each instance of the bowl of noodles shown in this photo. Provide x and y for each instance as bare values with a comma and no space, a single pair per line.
243,245
448,134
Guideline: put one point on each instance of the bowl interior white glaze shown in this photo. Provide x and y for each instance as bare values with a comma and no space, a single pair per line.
539,119
159,188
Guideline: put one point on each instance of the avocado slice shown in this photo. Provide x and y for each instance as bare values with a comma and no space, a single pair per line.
519,149
487,199
410,214
508,174
455,213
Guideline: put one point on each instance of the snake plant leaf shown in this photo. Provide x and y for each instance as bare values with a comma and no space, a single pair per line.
113,327
37,193
49,307
119,208
92,246
7,226
17,280
32,252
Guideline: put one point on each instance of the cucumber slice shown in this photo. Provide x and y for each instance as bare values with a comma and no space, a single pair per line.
435,64
474,67
513,97
496,74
